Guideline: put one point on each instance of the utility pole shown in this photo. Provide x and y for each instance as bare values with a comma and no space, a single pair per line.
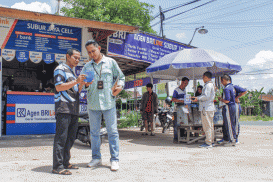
58,7
161,21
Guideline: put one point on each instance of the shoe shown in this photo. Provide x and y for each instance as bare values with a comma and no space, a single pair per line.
237,141
152,133
145,133
213,144
175,141
205,146
95,163
114,166
222,141
230,144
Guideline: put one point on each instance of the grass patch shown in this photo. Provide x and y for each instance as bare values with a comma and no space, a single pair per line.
255,118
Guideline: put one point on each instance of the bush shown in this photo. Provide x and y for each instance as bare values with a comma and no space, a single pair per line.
131,120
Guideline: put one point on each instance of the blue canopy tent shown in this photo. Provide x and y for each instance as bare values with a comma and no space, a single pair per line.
192,63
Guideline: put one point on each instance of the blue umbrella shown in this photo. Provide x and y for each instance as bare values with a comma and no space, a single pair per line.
192,63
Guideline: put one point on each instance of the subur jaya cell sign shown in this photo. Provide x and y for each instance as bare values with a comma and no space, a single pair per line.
38,38
141,47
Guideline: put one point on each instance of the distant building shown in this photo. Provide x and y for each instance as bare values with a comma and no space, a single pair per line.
267,104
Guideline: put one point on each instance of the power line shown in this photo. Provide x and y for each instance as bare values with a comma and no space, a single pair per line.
229,27
256,42
222,23
175,7
255,74
190,16
186,11
240,10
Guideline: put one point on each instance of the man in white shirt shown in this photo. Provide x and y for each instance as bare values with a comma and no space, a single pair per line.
207,109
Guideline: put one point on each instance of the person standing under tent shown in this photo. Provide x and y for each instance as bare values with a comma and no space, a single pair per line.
239,93
207,109
149,107
229,112
178,97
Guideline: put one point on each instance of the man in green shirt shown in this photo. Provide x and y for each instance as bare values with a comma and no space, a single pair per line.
101,99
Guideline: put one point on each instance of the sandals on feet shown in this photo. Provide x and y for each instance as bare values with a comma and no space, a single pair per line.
62,172
145,133
71,166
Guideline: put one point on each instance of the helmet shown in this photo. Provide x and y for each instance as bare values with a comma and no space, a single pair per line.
168,100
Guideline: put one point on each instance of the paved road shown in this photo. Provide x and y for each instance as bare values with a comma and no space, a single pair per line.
145,158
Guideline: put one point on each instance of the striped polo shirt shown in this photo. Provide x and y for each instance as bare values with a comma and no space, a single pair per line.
179,94
66,102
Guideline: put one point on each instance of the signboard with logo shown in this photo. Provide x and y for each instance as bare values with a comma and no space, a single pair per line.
24,116
141,47
35,36
34,113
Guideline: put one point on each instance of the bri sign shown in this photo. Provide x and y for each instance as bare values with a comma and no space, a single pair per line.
141,47
35,113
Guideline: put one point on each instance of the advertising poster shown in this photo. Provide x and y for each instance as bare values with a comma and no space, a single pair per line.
40,37
141,47
35,113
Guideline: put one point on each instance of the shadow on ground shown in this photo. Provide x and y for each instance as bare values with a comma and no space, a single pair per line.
48,169
133,136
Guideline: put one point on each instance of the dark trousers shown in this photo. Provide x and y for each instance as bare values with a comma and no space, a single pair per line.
66,130
229,123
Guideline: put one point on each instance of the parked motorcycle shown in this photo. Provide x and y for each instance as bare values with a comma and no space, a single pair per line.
165,115
83,133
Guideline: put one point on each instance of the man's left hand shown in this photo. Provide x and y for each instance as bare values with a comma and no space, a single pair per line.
117,90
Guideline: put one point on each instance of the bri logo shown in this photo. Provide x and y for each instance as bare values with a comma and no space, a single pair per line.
21,112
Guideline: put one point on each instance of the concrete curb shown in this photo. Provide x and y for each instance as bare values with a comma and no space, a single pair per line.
24,137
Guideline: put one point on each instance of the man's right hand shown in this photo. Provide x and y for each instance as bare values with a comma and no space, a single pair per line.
81,78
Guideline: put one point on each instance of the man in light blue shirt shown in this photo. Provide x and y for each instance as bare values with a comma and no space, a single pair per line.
101,100
207,109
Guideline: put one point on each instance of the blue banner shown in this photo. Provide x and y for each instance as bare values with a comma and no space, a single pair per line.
140,82
48,58
141,47
40,37
22,56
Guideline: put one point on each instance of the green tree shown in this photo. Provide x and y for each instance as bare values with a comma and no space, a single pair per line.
270,92
254,101
122,95
128,12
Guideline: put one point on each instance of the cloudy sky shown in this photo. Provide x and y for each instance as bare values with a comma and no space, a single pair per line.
239,29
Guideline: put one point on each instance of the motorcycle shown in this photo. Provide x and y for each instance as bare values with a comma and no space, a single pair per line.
165,116
83,133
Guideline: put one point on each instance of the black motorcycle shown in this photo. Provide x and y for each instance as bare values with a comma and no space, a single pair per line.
83,133
165,116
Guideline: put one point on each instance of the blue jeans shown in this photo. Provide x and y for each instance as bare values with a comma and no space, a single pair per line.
110,117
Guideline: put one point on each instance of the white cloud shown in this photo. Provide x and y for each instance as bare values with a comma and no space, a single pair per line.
34,6
4,6
180,35
257,73
261,58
